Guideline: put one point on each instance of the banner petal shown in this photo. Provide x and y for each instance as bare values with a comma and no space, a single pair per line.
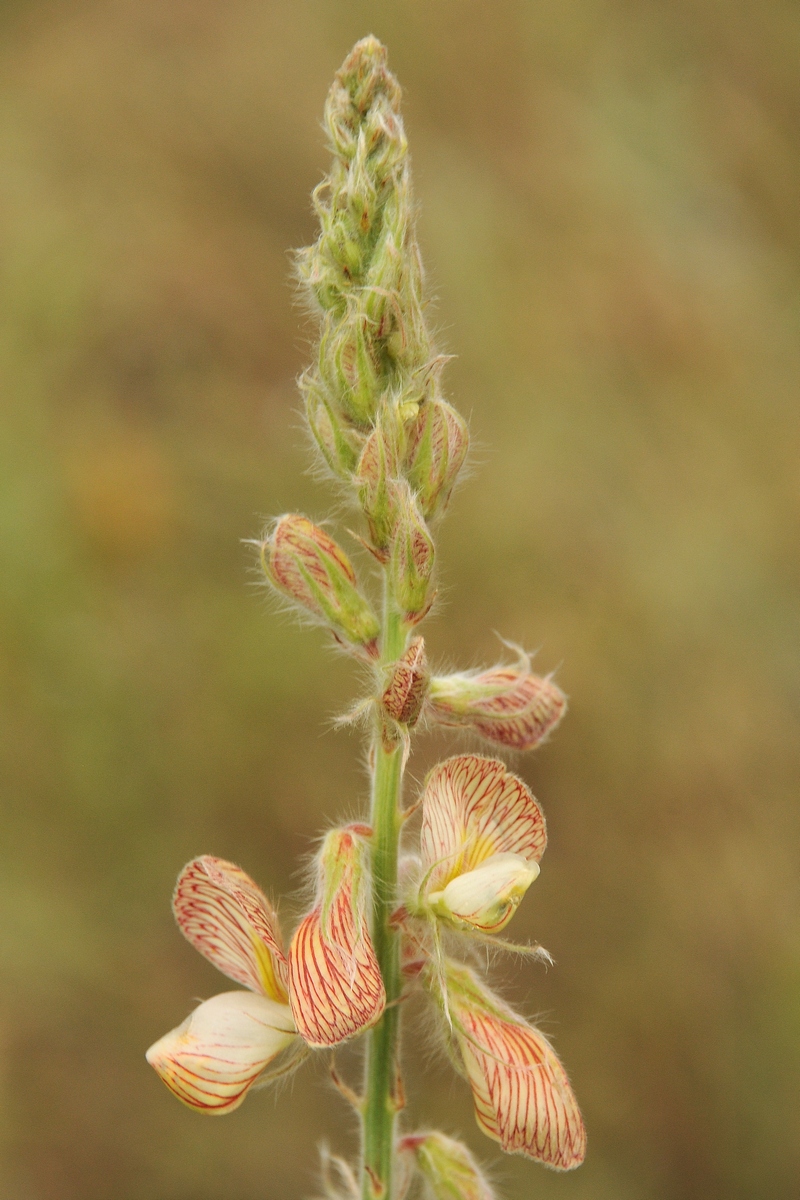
473,808
212,1059
227,917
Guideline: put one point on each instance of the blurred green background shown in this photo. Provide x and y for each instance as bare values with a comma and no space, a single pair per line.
609,201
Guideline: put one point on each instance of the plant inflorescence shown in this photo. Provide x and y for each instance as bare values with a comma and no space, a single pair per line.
389,917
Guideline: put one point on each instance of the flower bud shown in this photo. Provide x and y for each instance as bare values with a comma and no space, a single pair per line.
486,898
412,559
377,490
364,79
381,285
337,444
507,705
405,692
522,1095
306,564
448,1168
335,984
347,367
437,447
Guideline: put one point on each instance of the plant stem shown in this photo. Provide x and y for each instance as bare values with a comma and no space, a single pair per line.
381,1099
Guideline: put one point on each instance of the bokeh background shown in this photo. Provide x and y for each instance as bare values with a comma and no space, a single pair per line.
609,197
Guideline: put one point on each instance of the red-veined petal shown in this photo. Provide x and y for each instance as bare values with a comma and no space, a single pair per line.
473,808
335,984
507,705
227,917
212,1059
523,1098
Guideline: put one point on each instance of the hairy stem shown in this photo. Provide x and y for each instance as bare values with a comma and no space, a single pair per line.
381,1099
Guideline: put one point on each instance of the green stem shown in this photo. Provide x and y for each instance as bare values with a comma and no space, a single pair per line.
381,1098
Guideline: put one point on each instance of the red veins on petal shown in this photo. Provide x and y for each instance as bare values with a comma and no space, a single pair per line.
299,543
212,1059
522,1096
335,984
524,710
226,916
474,808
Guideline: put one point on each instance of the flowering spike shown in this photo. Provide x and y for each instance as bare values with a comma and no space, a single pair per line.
226,916
374,408
212,1059
522,1096
411,565
335,984
507,705
449,1170
438,442
304,563
404,694
474,808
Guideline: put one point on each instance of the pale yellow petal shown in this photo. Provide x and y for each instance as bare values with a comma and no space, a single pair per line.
212,1059
523,1098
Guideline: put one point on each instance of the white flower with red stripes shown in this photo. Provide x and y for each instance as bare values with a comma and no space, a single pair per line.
482,837
326,990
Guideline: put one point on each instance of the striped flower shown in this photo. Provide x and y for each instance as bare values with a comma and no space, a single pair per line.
335,984
482,837
523,1099
328,989
221,1049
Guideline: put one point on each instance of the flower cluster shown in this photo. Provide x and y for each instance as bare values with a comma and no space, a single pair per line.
382,926
482,838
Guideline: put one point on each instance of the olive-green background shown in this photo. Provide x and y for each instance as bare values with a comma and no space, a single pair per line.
609,197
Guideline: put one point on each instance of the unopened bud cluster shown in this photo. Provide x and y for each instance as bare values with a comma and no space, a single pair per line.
373,399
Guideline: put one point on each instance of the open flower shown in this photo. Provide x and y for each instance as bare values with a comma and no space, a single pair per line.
335,984
523,1099
482,837
221,1049
329,989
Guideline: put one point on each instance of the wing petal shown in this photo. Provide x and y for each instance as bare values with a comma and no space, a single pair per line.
523,1098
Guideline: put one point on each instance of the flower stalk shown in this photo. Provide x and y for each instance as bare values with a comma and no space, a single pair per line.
381,1098
378,929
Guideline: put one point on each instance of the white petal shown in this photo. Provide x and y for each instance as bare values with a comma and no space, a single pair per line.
487,897
219,1051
